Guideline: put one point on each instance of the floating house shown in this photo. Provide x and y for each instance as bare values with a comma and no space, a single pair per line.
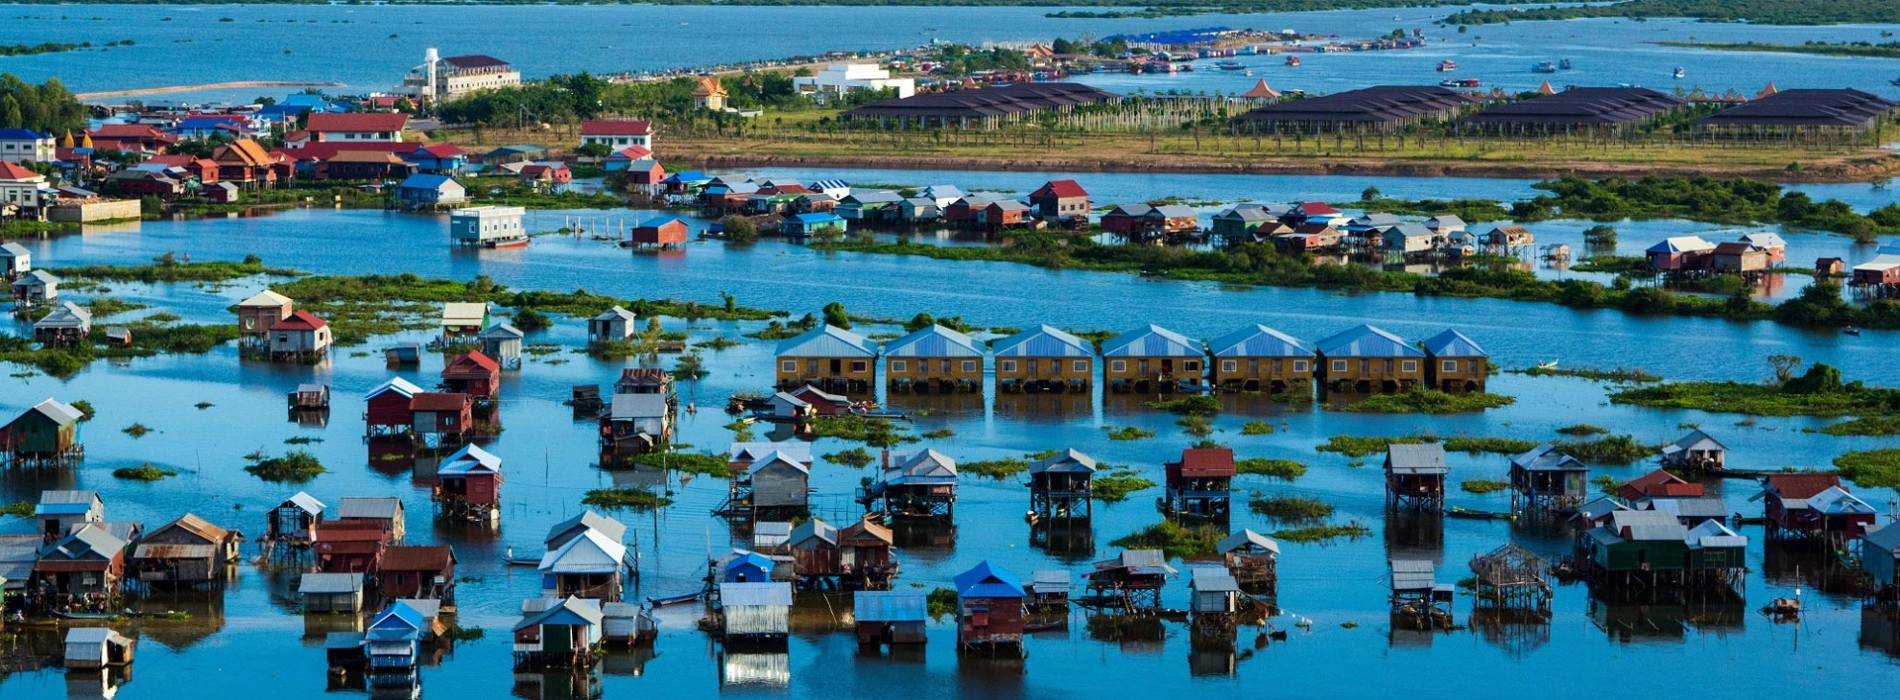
350,546
568,530
464,318
309,397
1043,359
933,359
295,520
1813,506
15,260
47,433
185,552
1061,201
425,572
1415,591
35,287
393,641
989,610
502,342
1153,359
97,647
587,566
1135,577
1062,486
384,512
1049,589
1546,478
86,564
1880,559
300,337
1242,224
889,617
627,623
440,418
636,423
563,633
1457,363
386,408
60,512
776,484
660,233
828,357
809,224
1213,596
468,483
1259,358
815,554
405,354
475,374
747,567
921,485
66,324
1638,548
1737,257
1695,453
1367,358
1415,476
1254,561
1200,484
331,593
865,552
611,326
257,314
754,612
1679,253
489,226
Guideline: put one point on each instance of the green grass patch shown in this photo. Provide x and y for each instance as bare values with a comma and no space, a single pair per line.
1173,539
1864,425
1114,485
687,462
940,602
136,430
1356,446
1582,430
1819,392
102,307
143,472
939,434
995,468
22,509
625,497
296,467
1428,401
1129,432
1290,509
166,268
1618,374
1483,486
1282,469
1609,449
851,457
1256,427
1320,534
1198,405
873,432
1871,469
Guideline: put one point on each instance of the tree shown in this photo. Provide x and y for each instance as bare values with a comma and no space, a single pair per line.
920,322
1369,194
740,230
594,150
1784,365
835,315
10,117
690,367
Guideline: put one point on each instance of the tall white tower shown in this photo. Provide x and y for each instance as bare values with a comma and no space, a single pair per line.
430,60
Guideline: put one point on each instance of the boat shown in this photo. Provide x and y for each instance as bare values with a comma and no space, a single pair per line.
1229,65
1850,330
1469,514
1447,66
92,615
1679,72
1547,365
514,242
1544,67
1293,61
672,600
1564,64
1458,82
510,559
1895,81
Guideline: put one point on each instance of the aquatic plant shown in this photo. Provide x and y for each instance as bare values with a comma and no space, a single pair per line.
1483,486
166,268
687,463
940,602
1582,429
1290,509
1129,432
1609,449
85,409
1428,401
136,430
1317,534
143,472
1871,468
1282,469
1354,446
1173,539
625,497
458,633
1114,485
1618,374
1198,405
22,509
1491,445
296,467
302,440
851,457
994,468
1864,425
939,434
1256,427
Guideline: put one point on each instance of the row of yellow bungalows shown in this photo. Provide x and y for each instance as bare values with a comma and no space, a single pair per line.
940,360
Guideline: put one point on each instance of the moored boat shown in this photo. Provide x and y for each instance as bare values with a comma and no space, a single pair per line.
1447,66
1293,61
1544,67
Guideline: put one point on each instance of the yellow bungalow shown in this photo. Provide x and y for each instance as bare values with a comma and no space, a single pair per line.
1258,357
1043,359
1367,358
1457,362
933,359
827,357
1153,358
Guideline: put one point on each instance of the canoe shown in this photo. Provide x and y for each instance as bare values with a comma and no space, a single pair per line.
521,561
1467,513
672,600
91,615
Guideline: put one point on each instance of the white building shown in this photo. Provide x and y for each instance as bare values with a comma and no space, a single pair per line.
618,133
476,225
442,79
20,191
839,78
26,144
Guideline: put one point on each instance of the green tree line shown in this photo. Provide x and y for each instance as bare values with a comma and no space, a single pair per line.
48,107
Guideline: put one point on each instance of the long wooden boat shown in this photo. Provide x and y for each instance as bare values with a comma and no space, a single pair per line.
672,600
1469,514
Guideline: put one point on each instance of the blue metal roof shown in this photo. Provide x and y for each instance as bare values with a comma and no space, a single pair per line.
1366,341
398,622
827,341
1258,341
817,218
17,134
933,341
752,559
1043,341
1451,343
1152,341
425,182
988,581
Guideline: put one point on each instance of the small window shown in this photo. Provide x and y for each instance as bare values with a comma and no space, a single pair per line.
969,365
1299,365
1339,365
788,366
1449,366
1118,366
857,365
898,366
1006,366
1082,366
1191,366
1229,365
1408,366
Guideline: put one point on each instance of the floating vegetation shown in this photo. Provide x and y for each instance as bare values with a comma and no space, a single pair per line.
1618,374
851,457
143,472
873,432
1173,539
202,405
302,440
22,509
1198,405
166,268
1610,449
1582,430
1290,509
1864,425
1819,392
1315,534
1355,446
1282,469
1129,432
296,467
1871,468
1256,427
1428,401
687,462
995,468
85,409
1483,486
1114,485
458,633
940,602
625,497
939,434
136,430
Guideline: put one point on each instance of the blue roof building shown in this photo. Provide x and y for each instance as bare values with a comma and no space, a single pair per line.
1457,363
1368,358
1258,357
829,358
934,355
1044,358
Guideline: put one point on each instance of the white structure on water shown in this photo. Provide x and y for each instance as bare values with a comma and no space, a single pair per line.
442,79
475,225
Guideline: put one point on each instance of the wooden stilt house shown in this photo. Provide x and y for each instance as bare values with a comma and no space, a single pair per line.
257,314
1258,358
183,553
1813,506
1511,577
591,565
386,408
889,617
46,434
774,484
1415,476
475,374
1200,484
1153,359
1043,359
1134,579
920,485
559,633
502,342
1457,362
1365,358
1061,486
754,613
989,611
828,357
294,521
97,647
866,556
1415,593
299,337
1544,478
1213,597
1880,558
468,484
1254,561
1695,453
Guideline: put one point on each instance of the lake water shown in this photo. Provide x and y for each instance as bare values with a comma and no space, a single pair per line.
368,48
250,641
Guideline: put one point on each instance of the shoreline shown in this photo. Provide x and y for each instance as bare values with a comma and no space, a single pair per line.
168,89
1848,170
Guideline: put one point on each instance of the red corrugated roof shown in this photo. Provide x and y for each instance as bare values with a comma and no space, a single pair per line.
128,131
299,320
1060,188
443,150
1801,486
326,150
479,360
14,171
616,127
417,558
1206,461
357,121
438,401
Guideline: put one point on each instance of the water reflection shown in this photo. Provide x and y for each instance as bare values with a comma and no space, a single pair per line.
1791,563
579,683
1635,623
628,662
1044,406
1880,629
1516,632
1067,540
1133,634
1415,534
103,684
191,616
755,671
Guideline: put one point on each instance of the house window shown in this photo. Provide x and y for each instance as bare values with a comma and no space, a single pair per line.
1408,366
788,366
1229,365
1118,366
1299,365
448,421
969,365
1191,366
898,366
1339,365
1006,366
1082,366
857,365
1449,366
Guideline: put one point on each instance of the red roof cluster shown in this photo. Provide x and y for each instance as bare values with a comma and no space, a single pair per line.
1801,486
616,127
1060,188
299,320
